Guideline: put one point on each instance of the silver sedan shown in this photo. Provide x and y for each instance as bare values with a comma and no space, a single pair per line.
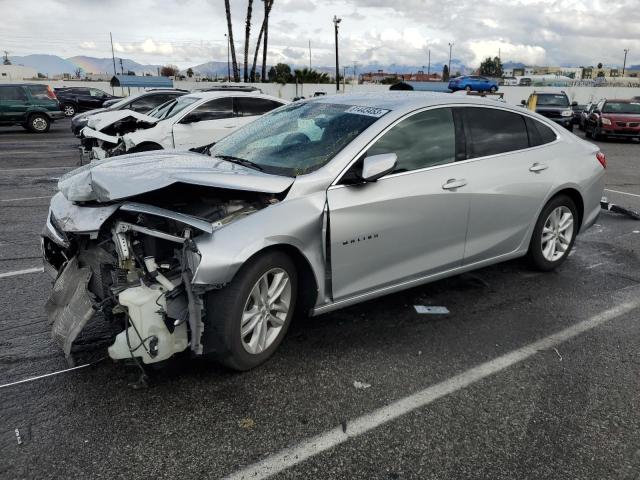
315,206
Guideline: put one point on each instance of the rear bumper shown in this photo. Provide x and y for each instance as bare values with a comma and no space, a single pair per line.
626,133
53,115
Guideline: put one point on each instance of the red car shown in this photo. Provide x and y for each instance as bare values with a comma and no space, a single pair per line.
614,118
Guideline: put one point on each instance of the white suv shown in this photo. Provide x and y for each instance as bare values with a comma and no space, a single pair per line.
188,122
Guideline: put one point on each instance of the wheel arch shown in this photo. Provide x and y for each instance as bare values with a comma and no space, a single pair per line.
308,290
142,147
574,195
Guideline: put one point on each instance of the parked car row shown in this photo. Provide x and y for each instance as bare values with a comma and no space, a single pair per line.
311,207
612,118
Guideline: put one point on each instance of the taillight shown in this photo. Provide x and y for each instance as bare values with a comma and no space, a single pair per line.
51,94
602,159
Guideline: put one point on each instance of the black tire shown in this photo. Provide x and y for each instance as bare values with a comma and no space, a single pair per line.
595,135
39,123
225,308
69,109
535,254
467,88
493,89
145,147
570,128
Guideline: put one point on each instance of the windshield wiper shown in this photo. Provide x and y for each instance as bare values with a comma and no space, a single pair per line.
240,161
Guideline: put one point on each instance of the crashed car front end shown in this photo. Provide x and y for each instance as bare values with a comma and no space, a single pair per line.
109,134
130,262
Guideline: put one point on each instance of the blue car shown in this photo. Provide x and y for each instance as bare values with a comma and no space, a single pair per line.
472,83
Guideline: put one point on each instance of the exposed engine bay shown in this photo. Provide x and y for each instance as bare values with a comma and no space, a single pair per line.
135,270
105,136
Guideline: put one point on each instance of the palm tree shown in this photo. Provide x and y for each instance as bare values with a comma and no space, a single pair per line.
267,11
247,33
236,74
268,5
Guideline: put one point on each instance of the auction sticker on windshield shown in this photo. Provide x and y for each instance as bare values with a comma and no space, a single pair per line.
369,111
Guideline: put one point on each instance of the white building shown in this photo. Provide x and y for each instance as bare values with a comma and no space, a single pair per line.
17,72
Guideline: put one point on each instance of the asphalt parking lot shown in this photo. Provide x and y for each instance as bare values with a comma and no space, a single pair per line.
491,390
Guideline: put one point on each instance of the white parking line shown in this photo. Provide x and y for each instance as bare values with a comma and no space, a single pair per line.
23,198
313,446
622,193
21,272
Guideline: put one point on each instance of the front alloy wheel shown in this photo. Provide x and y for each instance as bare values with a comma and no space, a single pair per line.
265,311
554,233
247,319
69,110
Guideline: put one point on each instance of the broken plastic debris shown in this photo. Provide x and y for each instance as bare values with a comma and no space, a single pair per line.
431,310
361,385
606,205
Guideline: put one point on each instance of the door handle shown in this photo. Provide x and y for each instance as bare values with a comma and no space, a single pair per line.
452,184
538,167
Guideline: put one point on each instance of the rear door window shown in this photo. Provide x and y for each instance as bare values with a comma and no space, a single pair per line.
423,140
249,107
12,94
491,131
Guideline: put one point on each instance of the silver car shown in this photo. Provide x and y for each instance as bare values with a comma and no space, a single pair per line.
315,206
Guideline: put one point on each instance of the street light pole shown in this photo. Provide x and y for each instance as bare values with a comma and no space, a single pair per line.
429,64
228,60
449,67
624,65
336,21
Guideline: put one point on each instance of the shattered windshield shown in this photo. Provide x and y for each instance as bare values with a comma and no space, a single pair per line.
172,107
298,138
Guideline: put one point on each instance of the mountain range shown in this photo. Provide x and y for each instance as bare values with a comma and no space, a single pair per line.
54,65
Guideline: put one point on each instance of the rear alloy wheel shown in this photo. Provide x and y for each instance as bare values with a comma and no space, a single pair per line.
247,320
69,109
39,123
554,233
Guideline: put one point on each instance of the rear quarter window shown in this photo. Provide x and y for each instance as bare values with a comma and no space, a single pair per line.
39,92
539,134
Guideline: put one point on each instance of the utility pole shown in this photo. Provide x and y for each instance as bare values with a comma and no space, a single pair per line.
624,65
429,64
309,54
449,67
121,67
228,65
113,55
336,21
355,77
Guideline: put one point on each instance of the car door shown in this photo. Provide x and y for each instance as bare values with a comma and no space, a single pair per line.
205,124
14,104
509,174
408,224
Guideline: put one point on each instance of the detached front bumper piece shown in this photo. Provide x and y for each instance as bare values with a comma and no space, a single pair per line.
70,306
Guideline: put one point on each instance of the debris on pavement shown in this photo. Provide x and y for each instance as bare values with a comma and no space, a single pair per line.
558,353
344,426
247,423
431,310
18,437
361,385
613,208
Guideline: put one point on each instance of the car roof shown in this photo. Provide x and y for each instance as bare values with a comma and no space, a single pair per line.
407,100
230,93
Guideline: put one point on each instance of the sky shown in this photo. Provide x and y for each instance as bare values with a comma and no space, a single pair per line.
189,32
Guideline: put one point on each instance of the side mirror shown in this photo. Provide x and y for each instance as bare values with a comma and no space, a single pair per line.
574,104
523,102
377,166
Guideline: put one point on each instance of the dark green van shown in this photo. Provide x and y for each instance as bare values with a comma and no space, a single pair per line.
32,105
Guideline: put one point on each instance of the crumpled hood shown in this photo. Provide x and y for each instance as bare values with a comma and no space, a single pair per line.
129,175
104,119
